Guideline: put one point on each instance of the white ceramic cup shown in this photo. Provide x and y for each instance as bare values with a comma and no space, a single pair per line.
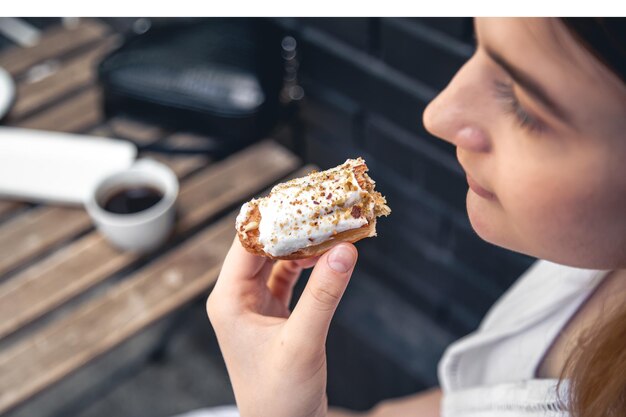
147,229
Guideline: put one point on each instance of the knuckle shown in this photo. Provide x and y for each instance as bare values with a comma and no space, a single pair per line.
213,309
281,282
210,304
326,298
381,409
290,267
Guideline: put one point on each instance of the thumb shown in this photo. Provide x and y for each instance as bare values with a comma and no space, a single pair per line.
311,317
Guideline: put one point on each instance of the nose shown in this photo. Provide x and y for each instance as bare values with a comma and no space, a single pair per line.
456,114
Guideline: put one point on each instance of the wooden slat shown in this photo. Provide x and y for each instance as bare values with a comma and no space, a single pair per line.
94,328
9,206
37,230
139,132
144,134
74,74
90,260
54,43
67,397
69,343
181,163
75,114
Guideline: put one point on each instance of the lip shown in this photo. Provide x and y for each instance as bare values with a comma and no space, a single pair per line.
479,190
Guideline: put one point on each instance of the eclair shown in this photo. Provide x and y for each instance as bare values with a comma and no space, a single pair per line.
305,217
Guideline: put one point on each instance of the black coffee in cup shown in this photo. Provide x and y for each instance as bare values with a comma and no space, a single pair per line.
132,199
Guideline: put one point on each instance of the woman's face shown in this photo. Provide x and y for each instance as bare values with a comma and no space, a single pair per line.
540,129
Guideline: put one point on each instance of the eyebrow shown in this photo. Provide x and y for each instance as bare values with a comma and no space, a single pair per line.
530,85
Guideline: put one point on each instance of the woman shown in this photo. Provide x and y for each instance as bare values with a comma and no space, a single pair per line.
538,116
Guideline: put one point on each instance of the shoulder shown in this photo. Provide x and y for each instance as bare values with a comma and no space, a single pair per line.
544,287
519,328
607,299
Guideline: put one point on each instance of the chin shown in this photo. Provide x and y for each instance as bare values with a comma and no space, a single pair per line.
484,218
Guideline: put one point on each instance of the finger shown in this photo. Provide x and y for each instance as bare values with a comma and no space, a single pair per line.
293,263
282,279
311,317
308,262
284,276
240,266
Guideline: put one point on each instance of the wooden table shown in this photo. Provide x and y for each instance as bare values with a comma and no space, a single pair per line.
67,298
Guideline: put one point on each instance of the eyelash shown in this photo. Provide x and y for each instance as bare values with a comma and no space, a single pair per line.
505,93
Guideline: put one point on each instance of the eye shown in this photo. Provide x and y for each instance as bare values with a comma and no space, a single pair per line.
504,92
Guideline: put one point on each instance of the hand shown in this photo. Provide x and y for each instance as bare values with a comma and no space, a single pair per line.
276,359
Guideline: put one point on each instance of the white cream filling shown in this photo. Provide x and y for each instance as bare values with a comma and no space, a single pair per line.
243,213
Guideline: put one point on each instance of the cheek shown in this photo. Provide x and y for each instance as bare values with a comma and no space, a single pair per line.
564,219
545,216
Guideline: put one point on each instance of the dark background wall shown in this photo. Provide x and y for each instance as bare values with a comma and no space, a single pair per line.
428,278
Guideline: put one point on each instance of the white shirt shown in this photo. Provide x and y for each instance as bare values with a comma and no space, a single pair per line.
492,372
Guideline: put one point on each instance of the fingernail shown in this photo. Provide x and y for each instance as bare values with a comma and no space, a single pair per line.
341,259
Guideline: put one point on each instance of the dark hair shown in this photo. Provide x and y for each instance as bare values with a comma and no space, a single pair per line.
604,37
597,367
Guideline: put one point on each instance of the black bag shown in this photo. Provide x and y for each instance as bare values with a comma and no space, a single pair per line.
217,76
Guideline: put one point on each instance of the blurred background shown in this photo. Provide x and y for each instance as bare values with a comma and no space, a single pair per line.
326,89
